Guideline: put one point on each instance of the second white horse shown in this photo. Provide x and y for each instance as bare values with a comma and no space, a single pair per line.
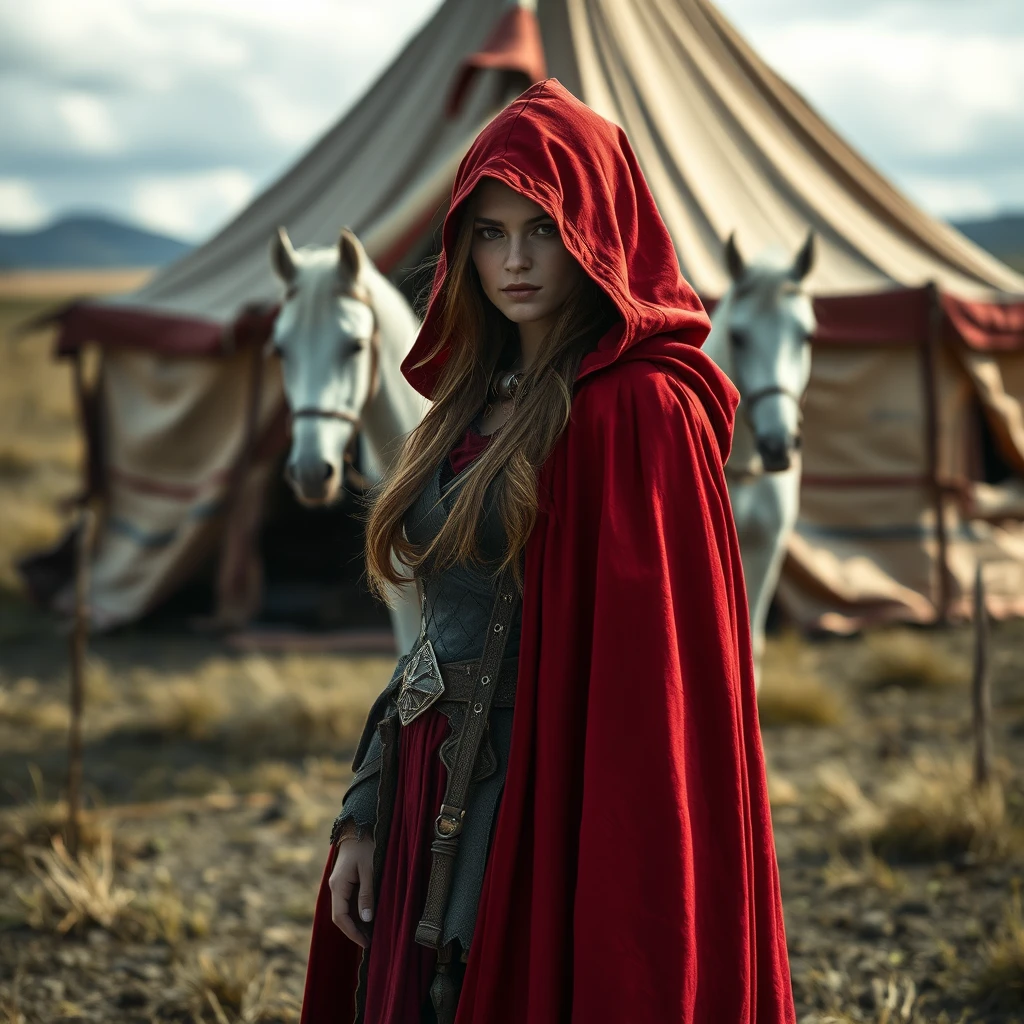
760,334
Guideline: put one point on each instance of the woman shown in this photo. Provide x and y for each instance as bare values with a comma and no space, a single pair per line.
593,843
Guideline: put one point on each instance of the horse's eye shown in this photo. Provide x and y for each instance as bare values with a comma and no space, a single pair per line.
356,346
738,338
291,291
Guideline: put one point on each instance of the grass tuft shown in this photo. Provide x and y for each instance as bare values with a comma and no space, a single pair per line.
1000,984
792,691
930,811
76,893
235,990
912,661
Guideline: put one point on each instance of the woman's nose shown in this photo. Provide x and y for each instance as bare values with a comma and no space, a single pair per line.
516,258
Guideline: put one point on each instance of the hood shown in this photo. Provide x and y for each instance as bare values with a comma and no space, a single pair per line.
580,168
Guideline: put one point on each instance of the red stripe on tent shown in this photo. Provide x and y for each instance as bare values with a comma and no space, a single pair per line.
117,327
514,45
901,317
898,317
988,326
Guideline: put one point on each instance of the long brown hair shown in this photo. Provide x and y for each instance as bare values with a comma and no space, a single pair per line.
481,341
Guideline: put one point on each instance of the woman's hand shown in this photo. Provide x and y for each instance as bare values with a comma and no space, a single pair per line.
352,874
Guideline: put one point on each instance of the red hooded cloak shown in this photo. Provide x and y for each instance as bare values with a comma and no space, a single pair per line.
632,873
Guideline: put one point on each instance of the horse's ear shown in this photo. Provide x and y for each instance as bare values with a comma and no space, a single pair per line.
282,255
350,253
804,259
733,259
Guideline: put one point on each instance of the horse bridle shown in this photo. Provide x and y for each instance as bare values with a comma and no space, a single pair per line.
747,403
347,415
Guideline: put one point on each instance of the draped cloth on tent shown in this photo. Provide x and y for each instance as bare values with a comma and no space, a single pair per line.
632,872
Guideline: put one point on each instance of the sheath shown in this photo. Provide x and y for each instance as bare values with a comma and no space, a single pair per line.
400,795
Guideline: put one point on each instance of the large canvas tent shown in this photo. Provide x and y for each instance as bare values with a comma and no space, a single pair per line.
918,359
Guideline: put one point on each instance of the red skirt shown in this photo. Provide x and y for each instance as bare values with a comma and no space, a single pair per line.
400,969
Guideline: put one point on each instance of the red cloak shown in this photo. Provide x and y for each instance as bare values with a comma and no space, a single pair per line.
632,873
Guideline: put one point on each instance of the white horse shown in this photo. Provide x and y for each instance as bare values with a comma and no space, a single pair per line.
760,335
342,332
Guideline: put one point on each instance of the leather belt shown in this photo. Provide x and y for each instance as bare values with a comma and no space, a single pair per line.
460,681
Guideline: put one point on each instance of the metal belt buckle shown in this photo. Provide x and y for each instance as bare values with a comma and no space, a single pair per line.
421,684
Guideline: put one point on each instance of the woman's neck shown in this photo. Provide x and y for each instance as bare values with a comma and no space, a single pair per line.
531,337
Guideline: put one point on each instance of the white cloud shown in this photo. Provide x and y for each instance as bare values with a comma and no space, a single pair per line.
87,119
187,206
951,198
936,90
20,208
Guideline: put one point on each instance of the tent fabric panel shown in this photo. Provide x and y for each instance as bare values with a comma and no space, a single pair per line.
998,380
864,414
865,557
173,430
180,421
999,548
867,554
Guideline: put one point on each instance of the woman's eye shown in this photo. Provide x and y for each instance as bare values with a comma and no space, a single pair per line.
490,238
550,229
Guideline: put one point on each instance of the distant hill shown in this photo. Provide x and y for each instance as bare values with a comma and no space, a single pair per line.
1003,236
86,242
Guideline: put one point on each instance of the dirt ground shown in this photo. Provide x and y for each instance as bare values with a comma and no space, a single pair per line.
212,777
216,775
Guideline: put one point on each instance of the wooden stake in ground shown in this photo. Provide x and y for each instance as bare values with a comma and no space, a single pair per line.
982,688
79,638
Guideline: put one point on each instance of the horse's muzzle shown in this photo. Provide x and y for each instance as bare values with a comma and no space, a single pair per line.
315,481
776,452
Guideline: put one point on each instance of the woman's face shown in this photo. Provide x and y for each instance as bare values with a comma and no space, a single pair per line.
516,243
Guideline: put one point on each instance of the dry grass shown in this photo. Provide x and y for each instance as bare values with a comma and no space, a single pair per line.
1000,985
35,824
60,285
933,811
74,893
234,989
912,661
792,691
297,705
930,811
10,1004
895,1001
41,448
842,875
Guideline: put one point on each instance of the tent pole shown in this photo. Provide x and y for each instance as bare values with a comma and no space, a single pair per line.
931,354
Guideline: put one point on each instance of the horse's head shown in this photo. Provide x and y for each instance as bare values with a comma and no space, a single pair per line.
769,321
326,336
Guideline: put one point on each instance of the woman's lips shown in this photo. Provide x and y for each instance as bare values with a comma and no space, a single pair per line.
520,293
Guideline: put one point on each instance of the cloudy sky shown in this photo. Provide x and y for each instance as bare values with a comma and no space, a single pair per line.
174,113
